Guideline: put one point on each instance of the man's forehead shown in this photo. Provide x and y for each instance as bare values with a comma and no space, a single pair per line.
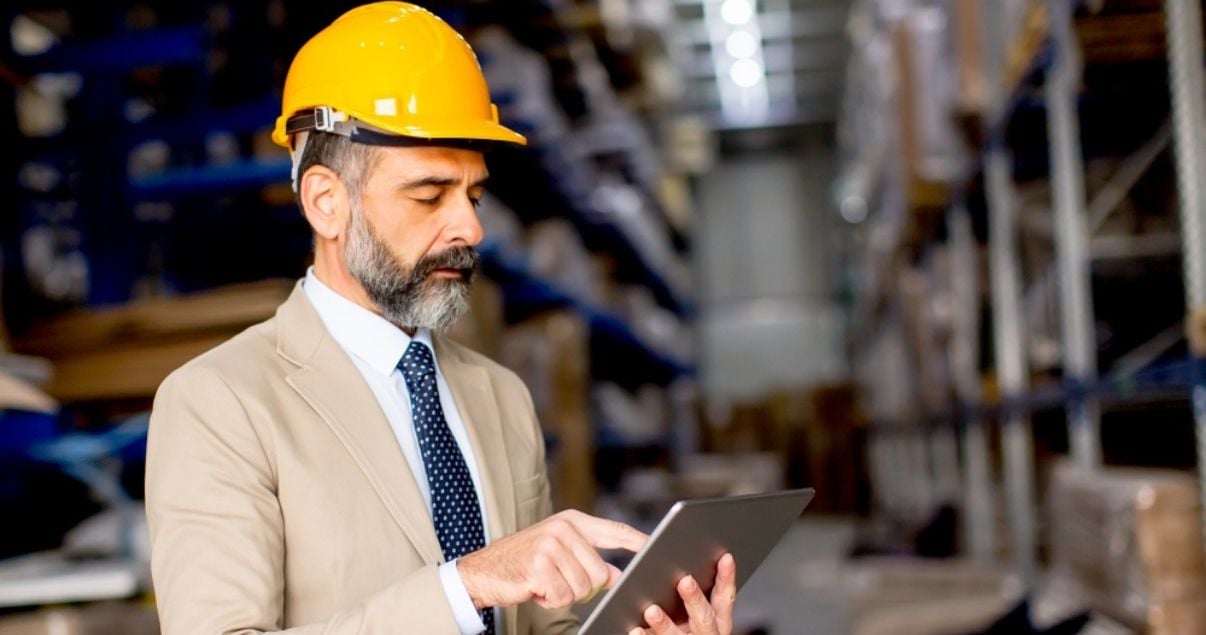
451,163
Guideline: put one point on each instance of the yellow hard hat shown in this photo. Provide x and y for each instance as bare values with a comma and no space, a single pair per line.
387,70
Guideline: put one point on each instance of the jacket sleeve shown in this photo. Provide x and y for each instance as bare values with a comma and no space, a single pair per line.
545,621
217,533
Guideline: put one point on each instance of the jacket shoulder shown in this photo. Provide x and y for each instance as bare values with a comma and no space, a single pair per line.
244,358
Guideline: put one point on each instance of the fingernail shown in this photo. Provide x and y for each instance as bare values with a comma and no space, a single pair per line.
653,614
690,585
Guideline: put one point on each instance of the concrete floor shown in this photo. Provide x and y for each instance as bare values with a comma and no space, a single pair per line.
796,591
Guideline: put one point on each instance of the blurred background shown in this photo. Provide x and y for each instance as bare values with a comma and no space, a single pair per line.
942,260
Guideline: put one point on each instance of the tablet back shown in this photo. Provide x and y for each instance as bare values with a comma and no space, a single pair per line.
690,540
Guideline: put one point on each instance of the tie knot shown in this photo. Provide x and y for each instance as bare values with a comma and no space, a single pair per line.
417,362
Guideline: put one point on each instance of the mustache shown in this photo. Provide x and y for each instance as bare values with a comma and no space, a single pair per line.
463,259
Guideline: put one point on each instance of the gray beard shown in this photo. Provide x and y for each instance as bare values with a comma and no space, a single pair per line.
408,297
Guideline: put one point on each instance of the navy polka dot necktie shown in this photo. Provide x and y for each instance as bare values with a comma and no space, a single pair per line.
454,504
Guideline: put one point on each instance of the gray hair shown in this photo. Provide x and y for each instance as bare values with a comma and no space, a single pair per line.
352,161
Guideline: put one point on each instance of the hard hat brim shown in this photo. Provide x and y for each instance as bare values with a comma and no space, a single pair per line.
484,131
470,131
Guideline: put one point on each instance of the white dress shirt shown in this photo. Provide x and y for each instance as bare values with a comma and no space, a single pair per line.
376,347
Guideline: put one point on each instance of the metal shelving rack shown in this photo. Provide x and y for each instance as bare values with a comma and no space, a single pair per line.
1081,393
1184,27
194,196
113,236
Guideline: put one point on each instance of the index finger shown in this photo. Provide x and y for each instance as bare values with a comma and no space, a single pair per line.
608,534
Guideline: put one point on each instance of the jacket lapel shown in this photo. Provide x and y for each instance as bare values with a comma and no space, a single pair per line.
331,384
475,401
478,407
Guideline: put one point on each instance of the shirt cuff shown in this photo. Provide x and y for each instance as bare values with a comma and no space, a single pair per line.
468,620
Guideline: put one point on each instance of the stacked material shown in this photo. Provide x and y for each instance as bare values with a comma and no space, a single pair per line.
1131,538
125,352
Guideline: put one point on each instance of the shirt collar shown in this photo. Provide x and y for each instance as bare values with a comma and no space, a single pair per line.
360,332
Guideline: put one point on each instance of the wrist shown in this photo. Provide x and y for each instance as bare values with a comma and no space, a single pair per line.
469,577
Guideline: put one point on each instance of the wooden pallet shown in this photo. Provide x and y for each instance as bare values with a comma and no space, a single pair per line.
125,352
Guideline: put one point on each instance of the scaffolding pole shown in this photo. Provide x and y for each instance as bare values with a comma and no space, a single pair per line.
1184,26
978,495
1009,346
1072,238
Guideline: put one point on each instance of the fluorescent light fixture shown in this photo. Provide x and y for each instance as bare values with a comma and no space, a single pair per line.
741,44
736,47
746,73
736,12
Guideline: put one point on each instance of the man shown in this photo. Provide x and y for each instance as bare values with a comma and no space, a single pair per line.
342,467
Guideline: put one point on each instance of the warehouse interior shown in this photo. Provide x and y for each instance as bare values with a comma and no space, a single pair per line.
943,261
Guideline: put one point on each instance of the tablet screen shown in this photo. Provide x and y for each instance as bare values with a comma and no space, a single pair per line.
690,540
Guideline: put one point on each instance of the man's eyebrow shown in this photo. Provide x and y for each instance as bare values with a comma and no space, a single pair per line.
428,181
438,181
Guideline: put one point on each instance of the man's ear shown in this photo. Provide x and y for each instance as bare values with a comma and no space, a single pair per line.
324,200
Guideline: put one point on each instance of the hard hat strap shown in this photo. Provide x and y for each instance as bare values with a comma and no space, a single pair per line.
322,119
368,135
327,119
299,150
299,126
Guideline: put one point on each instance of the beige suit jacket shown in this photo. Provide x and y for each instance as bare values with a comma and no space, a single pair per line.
278,498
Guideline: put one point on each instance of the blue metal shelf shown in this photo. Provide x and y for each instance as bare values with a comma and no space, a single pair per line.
1018,96
569,188
210,180
526,294
136,49
61,150
575,182
624,251
1162,380
243,118
640,365
598,230
1170,381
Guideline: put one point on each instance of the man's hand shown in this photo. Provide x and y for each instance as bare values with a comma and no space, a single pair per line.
554,562
704,617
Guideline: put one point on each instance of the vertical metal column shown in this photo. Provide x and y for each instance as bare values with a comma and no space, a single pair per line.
940,447
944,457
1072,238
1009,346
978,494
918,473
1184,26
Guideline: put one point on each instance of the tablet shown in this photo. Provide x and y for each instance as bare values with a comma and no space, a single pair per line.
691,540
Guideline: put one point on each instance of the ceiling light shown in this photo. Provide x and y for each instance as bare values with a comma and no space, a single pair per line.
737,12
746,73
741,44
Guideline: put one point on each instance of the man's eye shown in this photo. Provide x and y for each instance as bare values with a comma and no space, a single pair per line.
428,201
477,202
